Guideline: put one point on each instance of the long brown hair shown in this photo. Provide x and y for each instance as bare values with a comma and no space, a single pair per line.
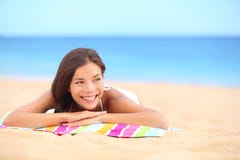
70,62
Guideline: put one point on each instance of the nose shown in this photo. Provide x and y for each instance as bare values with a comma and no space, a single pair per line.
90,87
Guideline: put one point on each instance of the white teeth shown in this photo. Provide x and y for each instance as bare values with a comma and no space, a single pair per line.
89,98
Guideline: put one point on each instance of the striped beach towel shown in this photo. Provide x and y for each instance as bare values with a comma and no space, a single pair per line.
112,130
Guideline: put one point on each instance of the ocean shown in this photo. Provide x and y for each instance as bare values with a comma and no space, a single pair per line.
212,61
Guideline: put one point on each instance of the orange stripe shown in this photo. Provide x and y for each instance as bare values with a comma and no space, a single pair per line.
106,128
50,128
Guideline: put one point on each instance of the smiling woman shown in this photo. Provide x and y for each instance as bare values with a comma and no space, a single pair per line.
79,97
87,91
79,78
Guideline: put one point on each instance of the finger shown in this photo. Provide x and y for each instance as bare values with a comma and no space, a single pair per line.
103,112
78,123
88,114
84,115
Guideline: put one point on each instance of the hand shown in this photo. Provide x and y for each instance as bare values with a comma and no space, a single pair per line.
86,121
83,115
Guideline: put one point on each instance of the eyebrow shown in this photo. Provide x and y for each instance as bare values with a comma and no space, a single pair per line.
92,77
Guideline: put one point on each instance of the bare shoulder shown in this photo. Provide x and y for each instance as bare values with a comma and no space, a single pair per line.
110,95
119,102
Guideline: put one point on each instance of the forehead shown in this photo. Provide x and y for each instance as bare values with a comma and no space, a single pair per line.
87,71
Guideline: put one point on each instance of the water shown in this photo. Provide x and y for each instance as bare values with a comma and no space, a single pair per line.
211,61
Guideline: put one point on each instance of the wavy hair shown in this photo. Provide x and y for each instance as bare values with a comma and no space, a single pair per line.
70,62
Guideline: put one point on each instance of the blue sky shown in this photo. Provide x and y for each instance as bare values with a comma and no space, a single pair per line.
122,17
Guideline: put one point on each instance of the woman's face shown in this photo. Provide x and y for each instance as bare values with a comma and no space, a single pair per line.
87,86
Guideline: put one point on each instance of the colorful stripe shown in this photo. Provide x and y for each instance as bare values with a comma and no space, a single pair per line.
93,128
130,130
2,127
71,129
48,129
79,129
143,130
116,131
113,130
106,129
155,131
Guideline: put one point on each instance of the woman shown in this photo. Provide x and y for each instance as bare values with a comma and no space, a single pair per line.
79,97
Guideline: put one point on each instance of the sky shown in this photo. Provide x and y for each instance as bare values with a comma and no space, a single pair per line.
119,17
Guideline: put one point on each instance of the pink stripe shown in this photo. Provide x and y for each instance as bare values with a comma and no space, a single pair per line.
72,128
60,130
3,127
130,131
117,130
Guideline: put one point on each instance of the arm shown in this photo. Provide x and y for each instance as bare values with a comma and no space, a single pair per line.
33,120
33,114
37,120
124,110
148,118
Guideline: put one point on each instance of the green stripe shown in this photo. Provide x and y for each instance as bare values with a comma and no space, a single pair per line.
142,131
80,129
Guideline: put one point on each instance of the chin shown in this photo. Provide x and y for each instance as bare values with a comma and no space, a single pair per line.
90,107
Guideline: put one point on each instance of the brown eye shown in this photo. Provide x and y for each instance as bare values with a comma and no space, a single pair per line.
98,79
79,82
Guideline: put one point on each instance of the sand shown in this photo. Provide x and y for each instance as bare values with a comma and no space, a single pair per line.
208,116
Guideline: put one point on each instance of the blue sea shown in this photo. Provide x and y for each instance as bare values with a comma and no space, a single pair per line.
212,61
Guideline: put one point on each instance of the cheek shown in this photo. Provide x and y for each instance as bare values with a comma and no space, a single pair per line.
101,89
74,91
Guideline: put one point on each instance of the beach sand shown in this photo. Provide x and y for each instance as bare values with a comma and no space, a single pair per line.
208,116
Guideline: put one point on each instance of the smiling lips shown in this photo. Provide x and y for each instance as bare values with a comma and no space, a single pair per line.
89,98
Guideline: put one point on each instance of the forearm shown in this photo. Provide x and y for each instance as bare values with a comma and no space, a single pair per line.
147,118
34,120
